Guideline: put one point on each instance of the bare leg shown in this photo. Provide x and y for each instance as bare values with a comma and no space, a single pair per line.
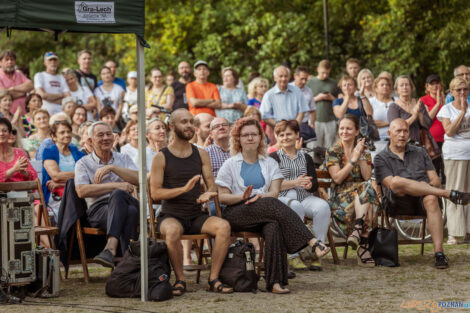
435,224
112,244
172,230
219,228
187,245
403,186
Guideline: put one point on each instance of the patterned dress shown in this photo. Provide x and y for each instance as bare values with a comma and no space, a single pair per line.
342,198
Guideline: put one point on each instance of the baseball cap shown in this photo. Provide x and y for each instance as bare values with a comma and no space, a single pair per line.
133,109
432,78
200,62
132,74
50,55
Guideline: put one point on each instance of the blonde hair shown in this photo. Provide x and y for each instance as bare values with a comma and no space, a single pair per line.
413,88
5,93
255,83
457,81
35,112
362,73
251,110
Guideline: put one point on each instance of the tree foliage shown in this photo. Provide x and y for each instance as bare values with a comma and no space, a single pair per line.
416,37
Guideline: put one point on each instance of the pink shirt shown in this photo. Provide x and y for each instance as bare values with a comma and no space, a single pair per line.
18,176
7,82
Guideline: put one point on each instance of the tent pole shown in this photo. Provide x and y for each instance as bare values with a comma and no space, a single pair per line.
142,170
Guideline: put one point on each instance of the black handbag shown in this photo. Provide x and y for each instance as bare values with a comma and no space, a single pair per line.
383,244
367,127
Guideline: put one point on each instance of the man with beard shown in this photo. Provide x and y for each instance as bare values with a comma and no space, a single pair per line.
175,180
179,86
50,86
17,84
106,180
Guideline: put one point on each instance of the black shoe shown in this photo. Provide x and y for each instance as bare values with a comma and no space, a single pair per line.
459,197
291,275
105,258
441,261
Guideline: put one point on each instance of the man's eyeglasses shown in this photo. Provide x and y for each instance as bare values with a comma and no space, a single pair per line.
217,126
463,74
252,135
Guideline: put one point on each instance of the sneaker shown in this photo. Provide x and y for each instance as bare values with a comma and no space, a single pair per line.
105,258
451,241
441,261
459,197
297,264
316,266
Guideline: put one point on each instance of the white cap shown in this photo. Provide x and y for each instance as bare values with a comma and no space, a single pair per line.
132,74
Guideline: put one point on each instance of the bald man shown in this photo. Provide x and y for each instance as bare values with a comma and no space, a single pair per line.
411,185
202,122
283,101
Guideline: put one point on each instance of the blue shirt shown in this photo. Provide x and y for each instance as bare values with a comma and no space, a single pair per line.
356,112
252,175
283,106
117,80
231,96
450,98
254,102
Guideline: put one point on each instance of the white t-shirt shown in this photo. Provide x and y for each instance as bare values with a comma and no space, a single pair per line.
81,96
130,99
109,97
53,84
380,114
133,153
456,147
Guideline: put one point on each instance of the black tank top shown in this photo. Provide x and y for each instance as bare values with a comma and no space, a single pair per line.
178,171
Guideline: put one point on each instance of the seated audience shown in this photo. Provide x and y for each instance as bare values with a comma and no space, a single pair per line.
33,103
156,138
300,183
132,146
130,98
6,102
106,180
202,122
14,163
455,118
219,150
249,184
59,164
234,99
256,90
108,115
68,105
350,103
61,116
350,167
412,111
40,118
176,177
85,145
78,117
411,185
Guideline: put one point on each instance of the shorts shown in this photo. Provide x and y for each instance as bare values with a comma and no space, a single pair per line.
406,205
190,224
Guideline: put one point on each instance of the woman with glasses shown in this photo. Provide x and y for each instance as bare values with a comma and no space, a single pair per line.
157,94
234,99
82,95
455,118
249,184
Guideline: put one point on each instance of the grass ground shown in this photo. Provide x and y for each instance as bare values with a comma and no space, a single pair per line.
338,288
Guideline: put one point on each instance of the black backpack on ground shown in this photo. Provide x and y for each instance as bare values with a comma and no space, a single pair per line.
238,270
124,281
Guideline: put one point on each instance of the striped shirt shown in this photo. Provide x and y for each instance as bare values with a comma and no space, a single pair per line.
291,169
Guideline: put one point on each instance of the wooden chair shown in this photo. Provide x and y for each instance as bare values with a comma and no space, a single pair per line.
196,239
31,186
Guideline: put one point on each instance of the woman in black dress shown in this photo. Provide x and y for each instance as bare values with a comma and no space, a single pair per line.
249,184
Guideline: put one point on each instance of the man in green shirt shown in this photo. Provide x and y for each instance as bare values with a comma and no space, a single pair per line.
324,91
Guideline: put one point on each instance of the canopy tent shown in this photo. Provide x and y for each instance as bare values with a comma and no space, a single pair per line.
111,16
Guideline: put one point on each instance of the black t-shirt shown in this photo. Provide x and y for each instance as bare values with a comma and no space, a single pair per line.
180,95
90,78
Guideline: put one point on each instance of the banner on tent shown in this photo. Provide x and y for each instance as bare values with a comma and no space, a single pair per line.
94,12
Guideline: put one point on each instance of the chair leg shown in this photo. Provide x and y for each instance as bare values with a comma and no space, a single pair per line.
331,242
423,235
81,247
345,253
69,254
261,254
199,260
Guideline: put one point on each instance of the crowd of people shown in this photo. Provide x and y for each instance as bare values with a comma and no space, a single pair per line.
205,139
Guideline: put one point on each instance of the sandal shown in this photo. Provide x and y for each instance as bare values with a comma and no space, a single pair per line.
361,259
220,288
180,290
320,245
281,291
353,239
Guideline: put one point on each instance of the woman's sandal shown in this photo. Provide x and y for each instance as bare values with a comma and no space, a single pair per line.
353,239
361,260
220,288
179,290
320,245
281,291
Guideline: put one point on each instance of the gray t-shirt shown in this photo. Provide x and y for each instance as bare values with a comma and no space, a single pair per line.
324,107
87,166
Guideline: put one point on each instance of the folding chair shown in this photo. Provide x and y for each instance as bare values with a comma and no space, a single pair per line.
31,186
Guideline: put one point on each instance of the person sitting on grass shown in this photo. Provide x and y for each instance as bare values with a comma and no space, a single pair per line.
412,186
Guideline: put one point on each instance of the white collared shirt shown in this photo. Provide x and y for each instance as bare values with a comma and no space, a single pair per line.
229,175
